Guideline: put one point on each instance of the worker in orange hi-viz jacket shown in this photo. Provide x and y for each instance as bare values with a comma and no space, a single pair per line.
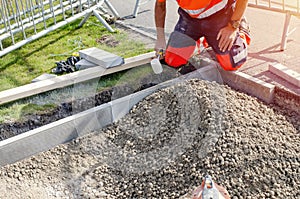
220,22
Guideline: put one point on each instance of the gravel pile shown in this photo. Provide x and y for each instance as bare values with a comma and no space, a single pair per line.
164,147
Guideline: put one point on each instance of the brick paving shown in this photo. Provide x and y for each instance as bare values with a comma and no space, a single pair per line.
266,31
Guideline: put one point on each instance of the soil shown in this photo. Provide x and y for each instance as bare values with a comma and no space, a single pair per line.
108,40
67,108
164,147
81,103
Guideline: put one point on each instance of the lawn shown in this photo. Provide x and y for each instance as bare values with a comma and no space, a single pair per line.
22,65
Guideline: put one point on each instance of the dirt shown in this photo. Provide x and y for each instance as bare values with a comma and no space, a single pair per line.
108,40
164,147
67,108
70,107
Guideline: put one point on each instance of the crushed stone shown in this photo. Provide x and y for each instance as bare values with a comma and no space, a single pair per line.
164,147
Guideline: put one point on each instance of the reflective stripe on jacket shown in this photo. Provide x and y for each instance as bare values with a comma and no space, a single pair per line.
201,9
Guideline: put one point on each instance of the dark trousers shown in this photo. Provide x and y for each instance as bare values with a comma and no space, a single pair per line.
188,31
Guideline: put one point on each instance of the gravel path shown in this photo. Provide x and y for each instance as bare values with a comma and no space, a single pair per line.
164,147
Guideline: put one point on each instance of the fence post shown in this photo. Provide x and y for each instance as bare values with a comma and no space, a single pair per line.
136,8
112,9
39,17
285,31
107,26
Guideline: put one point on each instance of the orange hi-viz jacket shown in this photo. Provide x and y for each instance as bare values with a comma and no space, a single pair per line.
201,8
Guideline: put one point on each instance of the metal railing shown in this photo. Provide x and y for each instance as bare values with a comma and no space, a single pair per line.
137,5
23,21
289,7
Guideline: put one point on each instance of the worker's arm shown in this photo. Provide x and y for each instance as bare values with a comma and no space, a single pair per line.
160,16
227,34
239,10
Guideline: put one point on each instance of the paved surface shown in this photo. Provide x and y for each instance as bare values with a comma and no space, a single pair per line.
266,30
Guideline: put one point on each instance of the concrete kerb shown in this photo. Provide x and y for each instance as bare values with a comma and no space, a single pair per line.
284,72
53,134
93,119
64,130
37,140
250,85
59,132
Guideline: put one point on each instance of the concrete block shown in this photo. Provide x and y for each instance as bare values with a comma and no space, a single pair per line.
100,57
84,64
284,72
248,84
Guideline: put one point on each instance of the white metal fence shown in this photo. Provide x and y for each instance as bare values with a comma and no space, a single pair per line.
23,21
289,7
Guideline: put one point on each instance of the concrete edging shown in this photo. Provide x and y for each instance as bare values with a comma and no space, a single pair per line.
284,72
250,85
71,78
46,137
64,130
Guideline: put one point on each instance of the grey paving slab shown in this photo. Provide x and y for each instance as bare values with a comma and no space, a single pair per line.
101,57
84,64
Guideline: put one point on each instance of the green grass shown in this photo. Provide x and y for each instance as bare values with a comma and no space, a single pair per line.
19,67
19,111
131,77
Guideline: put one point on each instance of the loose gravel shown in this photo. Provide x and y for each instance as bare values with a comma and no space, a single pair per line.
164,147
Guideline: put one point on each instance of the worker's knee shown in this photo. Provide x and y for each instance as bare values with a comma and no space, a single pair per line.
174,60
177,57
232,63
179,49
235,58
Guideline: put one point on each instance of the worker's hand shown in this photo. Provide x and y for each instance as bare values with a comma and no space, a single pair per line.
160,44
226,37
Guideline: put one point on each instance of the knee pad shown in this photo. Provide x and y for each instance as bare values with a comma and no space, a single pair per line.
179,50
174,60
177,57
225,62
235,57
